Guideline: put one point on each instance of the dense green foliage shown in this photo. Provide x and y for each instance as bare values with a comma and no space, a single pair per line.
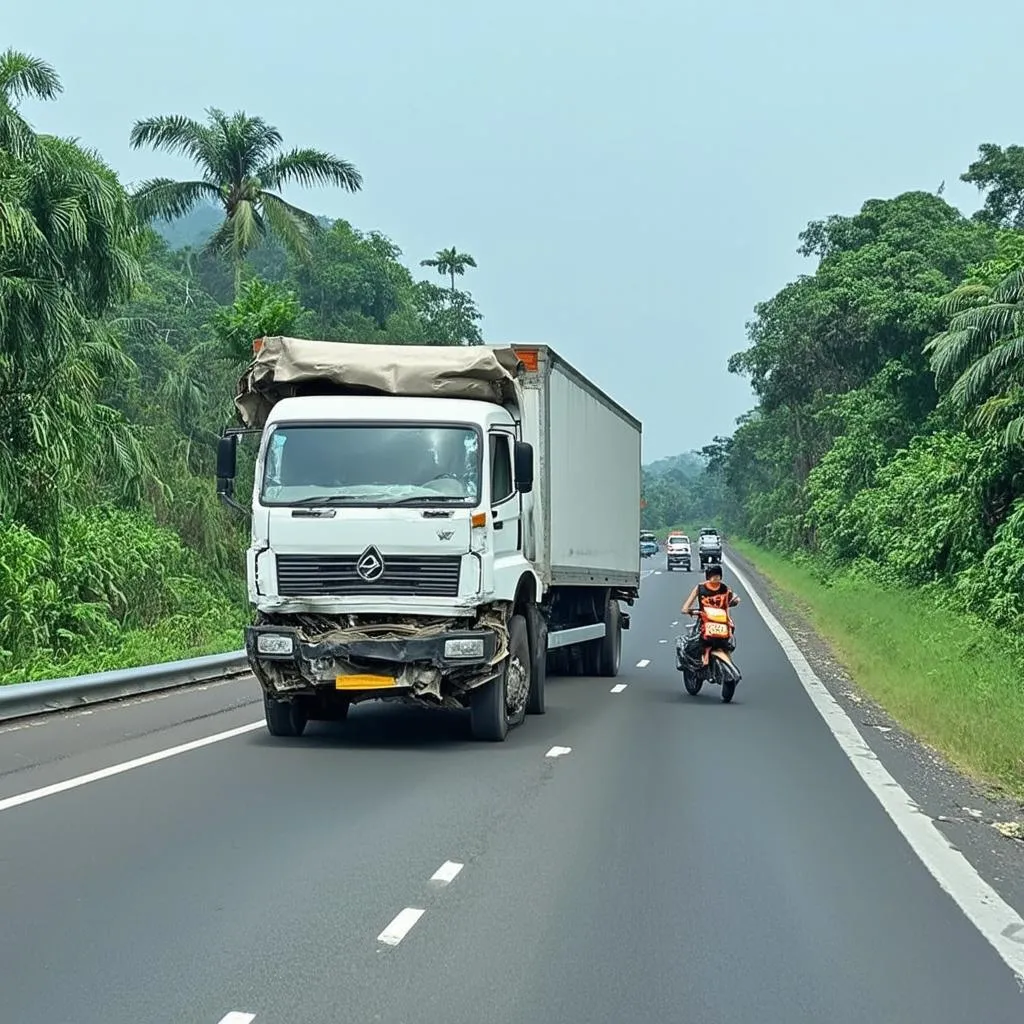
678,491
119,355
890,382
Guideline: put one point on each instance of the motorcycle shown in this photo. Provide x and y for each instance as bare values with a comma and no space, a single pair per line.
703,654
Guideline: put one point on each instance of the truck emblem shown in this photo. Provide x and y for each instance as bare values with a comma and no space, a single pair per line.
370,565
445,534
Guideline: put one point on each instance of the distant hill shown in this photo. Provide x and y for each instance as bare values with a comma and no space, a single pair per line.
193,230
688,465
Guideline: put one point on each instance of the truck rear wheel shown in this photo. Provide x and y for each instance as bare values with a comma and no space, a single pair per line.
535,702
285,717
609,653
490,716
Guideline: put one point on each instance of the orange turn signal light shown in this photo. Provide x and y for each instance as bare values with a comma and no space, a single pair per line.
478,519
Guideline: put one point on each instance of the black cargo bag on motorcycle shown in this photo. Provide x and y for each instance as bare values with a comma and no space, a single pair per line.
688,651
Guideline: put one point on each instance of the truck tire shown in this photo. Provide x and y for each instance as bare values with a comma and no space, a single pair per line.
538,631
285,717
489,718
609,653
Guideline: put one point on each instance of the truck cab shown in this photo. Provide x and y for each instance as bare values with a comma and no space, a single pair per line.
342,480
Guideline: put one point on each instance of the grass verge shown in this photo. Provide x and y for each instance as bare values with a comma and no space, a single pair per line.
953,683
171,639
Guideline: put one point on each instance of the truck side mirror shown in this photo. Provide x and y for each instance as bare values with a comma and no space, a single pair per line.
524,466
227,463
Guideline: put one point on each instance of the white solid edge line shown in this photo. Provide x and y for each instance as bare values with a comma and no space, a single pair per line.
447,872
997,921
237,1017
400,926
618,687
125,766
643,663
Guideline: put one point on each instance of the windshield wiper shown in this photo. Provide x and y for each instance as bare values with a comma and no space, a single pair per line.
326,499
422,499
342,499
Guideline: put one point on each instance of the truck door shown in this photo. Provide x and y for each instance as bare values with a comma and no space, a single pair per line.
506,501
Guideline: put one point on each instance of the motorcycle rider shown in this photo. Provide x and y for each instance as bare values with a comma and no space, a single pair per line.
712,593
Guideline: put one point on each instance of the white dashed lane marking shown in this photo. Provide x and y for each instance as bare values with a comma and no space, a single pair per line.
619,687
644,663
558,751
237,1017
400,926
447,872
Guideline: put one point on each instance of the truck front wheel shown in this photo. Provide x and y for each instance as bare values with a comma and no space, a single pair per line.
284,717
490,715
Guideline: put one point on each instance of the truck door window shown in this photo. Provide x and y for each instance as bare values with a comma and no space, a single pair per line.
501,469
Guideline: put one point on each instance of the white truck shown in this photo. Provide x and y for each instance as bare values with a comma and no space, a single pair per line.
677,552
709,547
435,525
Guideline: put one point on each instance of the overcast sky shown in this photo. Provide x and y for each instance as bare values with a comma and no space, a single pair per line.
631,176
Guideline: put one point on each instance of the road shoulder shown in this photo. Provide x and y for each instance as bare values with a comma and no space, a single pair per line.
959,807
42,750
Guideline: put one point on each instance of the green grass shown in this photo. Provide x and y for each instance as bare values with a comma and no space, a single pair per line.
956,684
171,639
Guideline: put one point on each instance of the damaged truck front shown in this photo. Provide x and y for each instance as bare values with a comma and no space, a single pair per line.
402,548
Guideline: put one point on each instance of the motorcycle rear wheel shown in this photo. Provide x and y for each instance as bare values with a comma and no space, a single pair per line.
692,683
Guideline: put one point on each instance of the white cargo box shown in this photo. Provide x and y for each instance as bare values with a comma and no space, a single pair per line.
587,492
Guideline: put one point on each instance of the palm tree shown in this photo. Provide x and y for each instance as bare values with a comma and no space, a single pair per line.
449,263
69,235
22,76
983,352
242,169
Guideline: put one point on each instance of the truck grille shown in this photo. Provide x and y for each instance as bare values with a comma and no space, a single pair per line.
336,576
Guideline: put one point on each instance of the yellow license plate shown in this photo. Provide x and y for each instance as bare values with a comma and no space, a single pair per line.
360,682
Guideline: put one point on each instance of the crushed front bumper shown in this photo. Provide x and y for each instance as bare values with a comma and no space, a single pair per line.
283,659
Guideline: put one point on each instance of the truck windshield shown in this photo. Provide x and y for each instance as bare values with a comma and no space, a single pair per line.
372,465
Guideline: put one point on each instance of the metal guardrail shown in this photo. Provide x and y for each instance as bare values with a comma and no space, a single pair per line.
19,700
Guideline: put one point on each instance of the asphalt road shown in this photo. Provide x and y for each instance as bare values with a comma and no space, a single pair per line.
684,862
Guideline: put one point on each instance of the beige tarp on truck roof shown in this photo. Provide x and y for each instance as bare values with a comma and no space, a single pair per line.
284,367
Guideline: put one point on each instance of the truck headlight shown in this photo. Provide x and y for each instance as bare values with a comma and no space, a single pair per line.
274,643
467,647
